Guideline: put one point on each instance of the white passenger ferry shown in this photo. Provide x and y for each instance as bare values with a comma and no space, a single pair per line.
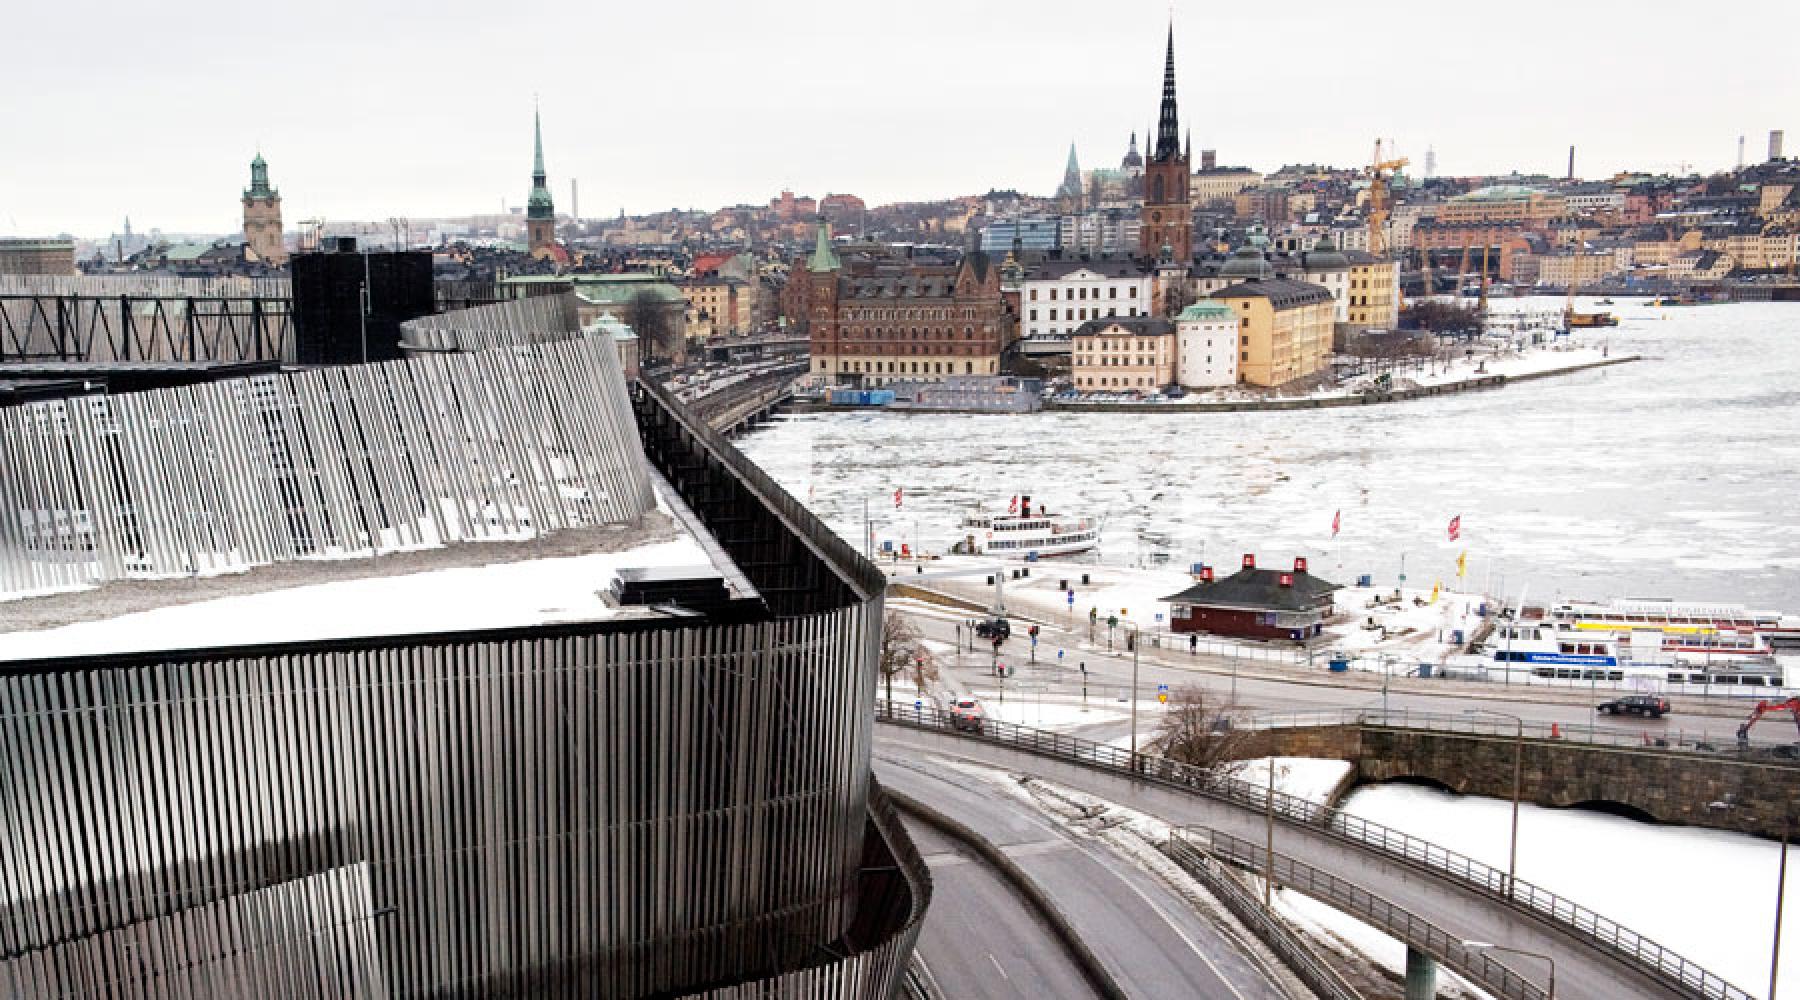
1677,618
1552,650
1028,534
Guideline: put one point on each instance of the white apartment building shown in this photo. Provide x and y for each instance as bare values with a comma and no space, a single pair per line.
1057,296
1101,233
1206,352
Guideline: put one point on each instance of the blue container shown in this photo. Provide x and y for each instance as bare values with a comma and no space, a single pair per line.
1365,580
1456,638
1339,666
1424,670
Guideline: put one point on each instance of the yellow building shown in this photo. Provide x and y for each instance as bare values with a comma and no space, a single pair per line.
1771,249
718,306
1284,329
1374,294
1504,203
1221,183
1658,253
1123,354
1560,270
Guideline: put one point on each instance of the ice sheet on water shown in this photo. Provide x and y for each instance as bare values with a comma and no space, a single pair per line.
1583,485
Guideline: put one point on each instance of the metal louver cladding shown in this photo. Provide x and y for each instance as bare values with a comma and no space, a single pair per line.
338,462
622,808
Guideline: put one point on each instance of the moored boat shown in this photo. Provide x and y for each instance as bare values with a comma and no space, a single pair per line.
1025,533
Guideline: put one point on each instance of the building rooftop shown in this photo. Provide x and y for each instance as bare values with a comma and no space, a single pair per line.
1145,326
1204,310
1259,590
1282,293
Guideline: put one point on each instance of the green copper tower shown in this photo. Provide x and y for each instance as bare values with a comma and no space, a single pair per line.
540,211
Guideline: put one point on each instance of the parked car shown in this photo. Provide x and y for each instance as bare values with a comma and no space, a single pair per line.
994,628
966,715
1648,705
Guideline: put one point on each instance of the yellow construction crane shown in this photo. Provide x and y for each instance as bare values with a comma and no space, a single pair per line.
1379,171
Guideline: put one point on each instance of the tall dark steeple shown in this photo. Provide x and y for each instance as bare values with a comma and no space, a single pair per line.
1168,126
1167,230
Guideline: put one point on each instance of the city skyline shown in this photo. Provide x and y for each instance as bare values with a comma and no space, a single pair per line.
750,103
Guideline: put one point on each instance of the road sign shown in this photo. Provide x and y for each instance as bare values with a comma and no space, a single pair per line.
1162,687
1059,654
918,703
1159,616
1163,697
1071,598
1112,621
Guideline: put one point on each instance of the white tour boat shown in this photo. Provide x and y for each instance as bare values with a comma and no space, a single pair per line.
1027,534
1550,649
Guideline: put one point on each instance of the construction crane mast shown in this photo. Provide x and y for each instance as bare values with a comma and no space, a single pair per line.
1379,171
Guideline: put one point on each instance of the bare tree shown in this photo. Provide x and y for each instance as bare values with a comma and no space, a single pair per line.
1197,730
902,650
649,319
1176,297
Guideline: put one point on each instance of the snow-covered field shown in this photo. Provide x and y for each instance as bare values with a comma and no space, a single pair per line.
472,597
1674,476
1708,895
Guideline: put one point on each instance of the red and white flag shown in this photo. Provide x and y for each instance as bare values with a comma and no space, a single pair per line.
1456,527
897,493
1013,508
1337,521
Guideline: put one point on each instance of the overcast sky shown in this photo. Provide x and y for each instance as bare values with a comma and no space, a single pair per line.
377,109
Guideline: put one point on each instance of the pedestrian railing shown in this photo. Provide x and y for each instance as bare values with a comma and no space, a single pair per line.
1565,914
1194,847
1318,975
1488,725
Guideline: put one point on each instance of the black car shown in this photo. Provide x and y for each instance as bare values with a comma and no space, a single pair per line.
1636,704
994,628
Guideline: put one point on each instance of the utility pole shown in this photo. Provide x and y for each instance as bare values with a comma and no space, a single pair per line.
1269,834
1134,701
1780,890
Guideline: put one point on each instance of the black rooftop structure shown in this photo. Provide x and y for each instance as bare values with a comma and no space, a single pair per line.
1147,326
1252,589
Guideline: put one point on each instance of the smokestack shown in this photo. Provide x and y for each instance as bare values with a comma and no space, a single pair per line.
1775,136
1740,165
1571,162
574,200
1209,158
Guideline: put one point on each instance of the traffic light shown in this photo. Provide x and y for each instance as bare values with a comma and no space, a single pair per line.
1034,631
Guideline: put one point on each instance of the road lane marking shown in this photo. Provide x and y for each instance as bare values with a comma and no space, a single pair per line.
1002,972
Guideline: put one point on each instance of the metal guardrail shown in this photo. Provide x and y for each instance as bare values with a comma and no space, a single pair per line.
1301,959
1416,932
1565,914
1444,722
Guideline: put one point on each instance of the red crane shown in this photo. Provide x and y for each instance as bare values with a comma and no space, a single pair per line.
1792,705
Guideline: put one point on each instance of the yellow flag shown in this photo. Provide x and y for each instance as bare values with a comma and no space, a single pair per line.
1462,564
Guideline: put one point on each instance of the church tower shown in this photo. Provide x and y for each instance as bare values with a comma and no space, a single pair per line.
1168,216
262,217
540,211
1069,195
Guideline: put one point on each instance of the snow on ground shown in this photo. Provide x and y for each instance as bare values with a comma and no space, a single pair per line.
1323,923
474,597
1024,710
1309,778
1706,894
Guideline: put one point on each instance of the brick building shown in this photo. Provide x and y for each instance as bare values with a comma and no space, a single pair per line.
1168,214
876,321
32,256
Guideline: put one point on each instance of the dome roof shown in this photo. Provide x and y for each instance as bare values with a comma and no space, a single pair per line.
1247,262
1325,256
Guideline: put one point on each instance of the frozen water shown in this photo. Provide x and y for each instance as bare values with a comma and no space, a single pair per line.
1708,895
1675,476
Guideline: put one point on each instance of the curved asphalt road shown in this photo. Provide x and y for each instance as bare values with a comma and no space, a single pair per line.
980,939
1152,940
1582,970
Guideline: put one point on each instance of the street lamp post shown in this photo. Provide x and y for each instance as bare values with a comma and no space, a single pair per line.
1512,851
1134,701
1550,992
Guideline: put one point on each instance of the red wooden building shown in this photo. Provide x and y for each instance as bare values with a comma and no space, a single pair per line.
1254,603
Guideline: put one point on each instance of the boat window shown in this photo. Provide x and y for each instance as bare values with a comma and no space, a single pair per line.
1615,675
1565,647
1677,678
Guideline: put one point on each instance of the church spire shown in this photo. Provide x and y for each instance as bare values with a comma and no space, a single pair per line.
537,129
1168,126
824,258
540,205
